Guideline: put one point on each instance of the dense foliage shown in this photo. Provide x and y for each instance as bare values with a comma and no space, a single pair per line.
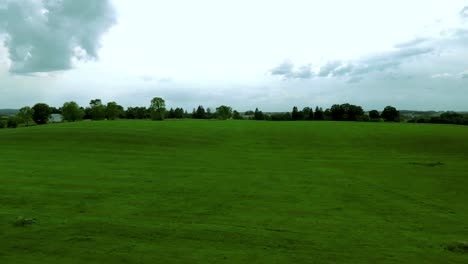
72,112
41,113
97,110
444,118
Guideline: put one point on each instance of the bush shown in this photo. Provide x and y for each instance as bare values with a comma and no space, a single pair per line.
363,118
281,117
12,122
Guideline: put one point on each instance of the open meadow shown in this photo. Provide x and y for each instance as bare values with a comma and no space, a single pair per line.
196,191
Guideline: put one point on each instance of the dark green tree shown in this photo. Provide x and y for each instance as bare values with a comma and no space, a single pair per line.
452,118
157,108
41,113
319,114
171,113
97,110
337,112
55,110
25,115
236,115
374,114
71,111
179,113
346,112
296,114
391,114
258,115
281,116
13,122
223,112
113,110
308,113
352,112
199,113
137,113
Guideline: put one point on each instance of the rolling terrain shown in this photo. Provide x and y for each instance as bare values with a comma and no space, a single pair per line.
233,192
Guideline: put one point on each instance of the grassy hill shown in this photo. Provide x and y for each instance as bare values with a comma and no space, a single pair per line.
233,192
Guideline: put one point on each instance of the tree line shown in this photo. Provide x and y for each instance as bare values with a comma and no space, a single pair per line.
444,118
97,110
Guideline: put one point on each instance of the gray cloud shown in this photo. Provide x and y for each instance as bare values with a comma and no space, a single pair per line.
304,72
412,43
328,68
354,70
45,36
464,13
380,62
286,70
389,62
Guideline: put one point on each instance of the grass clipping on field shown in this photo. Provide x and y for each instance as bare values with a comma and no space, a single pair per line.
22,221
460,247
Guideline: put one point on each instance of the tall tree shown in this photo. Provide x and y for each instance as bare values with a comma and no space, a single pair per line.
41,113
319,114
296,114
137,113
25,115
157,108
374,114
337,112
346,112
171,113
236,115
224,112
98,110
199,113
71,111
179,113
391,114
308,113
113,110
258,115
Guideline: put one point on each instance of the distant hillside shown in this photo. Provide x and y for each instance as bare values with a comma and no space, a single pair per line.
8,111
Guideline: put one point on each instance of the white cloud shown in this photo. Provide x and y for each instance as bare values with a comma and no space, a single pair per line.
423,48
45,36
363,52
454,76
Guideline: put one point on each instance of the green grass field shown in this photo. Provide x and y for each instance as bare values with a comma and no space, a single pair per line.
233,192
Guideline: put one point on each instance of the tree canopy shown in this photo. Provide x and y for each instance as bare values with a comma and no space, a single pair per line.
390,114
25,115
97,110
41,113
223,112
157,108
113,110
71,111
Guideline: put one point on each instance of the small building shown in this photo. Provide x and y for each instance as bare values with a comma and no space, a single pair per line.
55,118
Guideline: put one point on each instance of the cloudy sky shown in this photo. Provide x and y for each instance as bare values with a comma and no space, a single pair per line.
271,54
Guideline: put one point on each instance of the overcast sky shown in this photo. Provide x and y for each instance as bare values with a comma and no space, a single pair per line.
271,54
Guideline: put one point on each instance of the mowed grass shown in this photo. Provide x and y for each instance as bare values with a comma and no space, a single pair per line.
233,192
